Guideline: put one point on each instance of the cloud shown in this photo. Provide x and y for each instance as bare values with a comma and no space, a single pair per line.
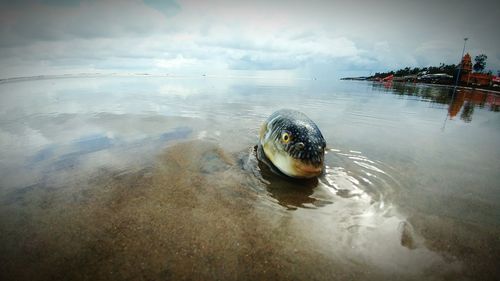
167,7
260,62
38,37
177,62
38,21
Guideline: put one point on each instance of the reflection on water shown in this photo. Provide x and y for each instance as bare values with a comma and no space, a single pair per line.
464,100
287,192
157,178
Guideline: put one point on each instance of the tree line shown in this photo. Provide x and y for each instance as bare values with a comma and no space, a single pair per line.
450,69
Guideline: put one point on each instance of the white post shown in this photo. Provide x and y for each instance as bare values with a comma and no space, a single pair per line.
460,68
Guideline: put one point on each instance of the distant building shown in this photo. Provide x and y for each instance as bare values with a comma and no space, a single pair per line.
466,64
495,81
438,78
470,78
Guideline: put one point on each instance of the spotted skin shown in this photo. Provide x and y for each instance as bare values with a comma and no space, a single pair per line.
293,144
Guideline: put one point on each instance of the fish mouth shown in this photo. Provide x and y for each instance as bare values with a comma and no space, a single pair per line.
305,170
306,167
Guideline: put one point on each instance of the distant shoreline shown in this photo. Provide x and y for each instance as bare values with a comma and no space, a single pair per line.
78,75
360,79
117,74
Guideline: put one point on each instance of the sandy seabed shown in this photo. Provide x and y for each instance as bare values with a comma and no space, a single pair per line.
197,214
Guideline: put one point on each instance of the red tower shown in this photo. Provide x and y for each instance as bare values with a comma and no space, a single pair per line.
468,77
466,64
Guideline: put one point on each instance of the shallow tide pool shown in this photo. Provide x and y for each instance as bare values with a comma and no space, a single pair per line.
146,178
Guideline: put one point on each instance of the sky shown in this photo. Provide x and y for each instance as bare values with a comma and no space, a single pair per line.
291,39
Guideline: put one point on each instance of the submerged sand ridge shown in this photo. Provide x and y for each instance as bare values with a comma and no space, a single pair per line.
199,213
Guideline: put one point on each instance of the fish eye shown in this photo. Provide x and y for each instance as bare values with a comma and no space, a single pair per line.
285,137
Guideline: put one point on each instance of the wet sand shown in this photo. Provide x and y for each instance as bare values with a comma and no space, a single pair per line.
189,217
199,213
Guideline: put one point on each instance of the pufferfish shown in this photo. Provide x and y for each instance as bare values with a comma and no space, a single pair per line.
293,144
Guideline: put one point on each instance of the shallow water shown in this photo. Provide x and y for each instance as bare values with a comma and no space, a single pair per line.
156,178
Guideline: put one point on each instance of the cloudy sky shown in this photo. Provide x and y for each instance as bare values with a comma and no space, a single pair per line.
324,39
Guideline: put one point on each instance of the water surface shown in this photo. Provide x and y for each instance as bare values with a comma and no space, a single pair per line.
156,178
